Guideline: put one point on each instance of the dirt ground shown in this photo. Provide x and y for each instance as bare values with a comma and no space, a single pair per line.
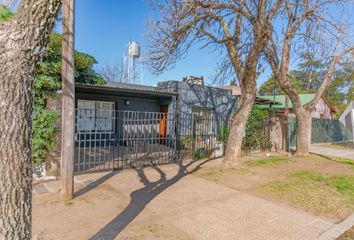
93,208
171,202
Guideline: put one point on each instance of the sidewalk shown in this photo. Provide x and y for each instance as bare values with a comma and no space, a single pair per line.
328,150
153,204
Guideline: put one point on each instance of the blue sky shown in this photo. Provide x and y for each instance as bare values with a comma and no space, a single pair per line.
104,28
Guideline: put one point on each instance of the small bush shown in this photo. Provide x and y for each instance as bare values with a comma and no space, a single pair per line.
43,135
201,154
256,137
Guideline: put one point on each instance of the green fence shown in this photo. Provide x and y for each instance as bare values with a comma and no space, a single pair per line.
329,131
323,131
292,131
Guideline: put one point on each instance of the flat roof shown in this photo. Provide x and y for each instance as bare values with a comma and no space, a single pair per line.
125,89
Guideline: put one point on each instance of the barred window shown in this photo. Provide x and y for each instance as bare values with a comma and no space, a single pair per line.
95,116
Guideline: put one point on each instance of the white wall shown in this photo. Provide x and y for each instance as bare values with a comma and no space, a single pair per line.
349,110
321,108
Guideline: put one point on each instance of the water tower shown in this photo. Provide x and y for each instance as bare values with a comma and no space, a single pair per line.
133,54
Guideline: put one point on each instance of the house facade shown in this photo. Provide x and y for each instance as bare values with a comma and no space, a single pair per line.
282,128
121,125
323,109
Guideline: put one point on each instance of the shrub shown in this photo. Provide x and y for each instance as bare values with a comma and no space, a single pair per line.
201,154
43,134
256,137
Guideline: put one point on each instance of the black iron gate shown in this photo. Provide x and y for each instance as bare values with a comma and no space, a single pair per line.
112,140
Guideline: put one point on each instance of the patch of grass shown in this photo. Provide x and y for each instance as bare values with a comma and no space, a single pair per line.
330,194
343,183
344,161
269,161
316,157
212,174
306,175
215,173
348,144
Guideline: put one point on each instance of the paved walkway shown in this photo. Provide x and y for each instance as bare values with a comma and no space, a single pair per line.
332,151
194,207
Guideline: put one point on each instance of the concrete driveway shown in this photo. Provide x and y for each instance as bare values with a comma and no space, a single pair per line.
165,203
332,150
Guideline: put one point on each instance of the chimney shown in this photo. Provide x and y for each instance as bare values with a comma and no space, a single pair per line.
194,80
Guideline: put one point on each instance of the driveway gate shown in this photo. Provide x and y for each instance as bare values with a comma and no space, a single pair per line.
112,140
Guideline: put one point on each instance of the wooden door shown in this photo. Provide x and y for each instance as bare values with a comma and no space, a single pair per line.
163,124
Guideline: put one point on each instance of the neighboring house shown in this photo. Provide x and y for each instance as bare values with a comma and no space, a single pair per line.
323,110
347,118
119,124
282,131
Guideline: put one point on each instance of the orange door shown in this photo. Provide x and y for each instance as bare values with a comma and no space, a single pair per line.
163,124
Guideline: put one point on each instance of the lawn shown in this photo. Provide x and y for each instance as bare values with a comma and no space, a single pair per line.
269,161
321,185
323,194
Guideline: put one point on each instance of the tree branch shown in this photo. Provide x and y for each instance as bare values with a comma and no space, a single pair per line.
312,104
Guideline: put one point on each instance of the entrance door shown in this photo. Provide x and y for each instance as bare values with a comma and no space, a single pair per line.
163,124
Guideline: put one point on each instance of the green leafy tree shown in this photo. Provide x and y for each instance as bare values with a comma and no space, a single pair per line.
341,89
271,86
5,13
309,76
311,73
48,81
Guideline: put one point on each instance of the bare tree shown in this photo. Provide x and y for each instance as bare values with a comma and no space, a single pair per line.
238,29
114,72
306,26
23,40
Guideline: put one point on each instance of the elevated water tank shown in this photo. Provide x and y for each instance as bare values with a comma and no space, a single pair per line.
133,49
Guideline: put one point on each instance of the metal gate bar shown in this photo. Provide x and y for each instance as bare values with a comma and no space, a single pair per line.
110,140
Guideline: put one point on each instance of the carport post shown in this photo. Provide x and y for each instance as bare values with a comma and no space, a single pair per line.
68,101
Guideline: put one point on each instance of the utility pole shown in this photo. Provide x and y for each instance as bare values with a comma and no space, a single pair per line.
68,101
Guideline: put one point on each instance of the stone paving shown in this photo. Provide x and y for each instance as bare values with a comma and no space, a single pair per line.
199,208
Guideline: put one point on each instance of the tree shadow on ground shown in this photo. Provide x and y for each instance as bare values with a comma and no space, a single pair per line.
95,184
141,197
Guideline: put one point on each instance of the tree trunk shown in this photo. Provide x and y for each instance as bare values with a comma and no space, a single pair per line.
15,151
22,43
238,128
303,132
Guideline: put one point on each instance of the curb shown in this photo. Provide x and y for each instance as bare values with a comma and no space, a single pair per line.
338,229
